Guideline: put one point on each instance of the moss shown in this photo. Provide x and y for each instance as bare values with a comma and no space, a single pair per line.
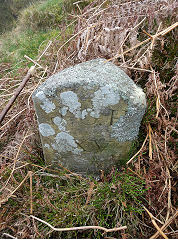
71,200
60,199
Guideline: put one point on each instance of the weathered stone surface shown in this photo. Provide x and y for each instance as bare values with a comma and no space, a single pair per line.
88,116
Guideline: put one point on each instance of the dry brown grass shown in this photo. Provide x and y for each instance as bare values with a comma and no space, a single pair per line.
105,29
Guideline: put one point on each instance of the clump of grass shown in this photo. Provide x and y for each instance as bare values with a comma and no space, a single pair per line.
48,14
61,200
10,11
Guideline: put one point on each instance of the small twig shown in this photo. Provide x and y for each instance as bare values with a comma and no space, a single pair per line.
167,223
129,50
154,223
37,64
139,150
75,35
28,101
149,35
79,228
21,166
154,38
48,45
158,102
137,69
35,165
19,89
31,196
9,236
90,192
162,33
15,161
11,194
13,118
165,143
135,173
150,142
169,193
74,174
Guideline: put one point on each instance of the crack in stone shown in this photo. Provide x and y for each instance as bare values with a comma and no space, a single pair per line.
112,116
97,145
80,146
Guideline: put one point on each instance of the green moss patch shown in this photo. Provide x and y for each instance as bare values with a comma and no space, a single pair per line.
61,200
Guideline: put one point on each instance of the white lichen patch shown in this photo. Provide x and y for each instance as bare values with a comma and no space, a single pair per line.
64,143
84,114
70,100
61,123
46,145
104,97
138,96
46,130
63,111
46,104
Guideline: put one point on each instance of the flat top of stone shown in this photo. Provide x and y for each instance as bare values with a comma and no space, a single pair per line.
97,72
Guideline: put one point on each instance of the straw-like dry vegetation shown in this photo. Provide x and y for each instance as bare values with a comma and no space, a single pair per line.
136,202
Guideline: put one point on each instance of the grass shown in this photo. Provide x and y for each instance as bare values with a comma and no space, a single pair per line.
25,43
9,13
48,14
45,15
36,24
60,199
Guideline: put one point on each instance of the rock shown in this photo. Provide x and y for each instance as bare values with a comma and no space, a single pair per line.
88,116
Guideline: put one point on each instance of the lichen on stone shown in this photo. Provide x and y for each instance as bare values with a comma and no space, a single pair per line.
46,130
64,142
46,104
61,123
104,97
70,100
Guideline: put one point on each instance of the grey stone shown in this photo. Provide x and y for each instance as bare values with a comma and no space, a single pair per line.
88,116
